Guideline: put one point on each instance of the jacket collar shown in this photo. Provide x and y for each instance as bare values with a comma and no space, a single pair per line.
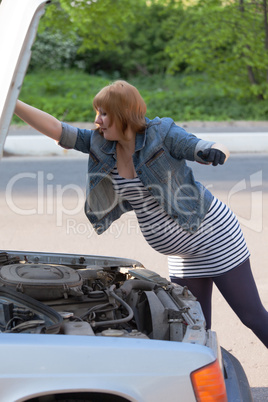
141,138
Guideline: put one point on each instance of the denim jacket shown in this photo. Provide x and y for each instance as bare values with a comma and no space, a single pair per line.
160,163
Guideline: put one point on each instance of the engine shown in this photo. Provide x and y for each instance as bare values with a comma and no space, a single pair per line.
97,301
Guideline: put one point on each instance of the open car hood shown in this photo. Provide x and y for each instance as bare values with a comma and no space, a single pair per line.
15,53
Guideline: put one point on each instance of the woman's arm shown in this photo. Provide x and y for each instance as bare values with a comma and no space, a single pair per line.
41,121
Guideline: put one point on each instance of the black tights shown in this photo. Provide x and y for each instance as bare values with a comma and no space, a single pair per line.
239,290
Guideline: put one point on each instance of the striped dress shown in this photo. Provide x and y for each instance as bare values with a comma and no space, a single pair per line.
216,247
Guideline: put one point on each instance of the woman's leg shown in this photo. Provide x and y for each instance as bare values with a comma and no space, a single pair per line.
201,288
239,290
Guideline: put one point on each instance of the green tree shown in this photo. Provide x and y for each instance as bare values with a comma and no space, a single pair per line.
228,40
148,38
99,23
126,38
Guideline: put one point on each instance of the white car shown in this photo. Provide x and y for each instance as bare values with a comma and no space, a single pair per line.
94,328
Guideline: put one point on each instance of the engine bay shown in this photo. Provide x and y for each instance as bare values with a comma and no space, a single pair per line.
94,296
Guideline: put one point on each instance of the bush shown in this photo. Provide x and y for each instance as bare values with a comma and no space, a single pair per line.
54,51
68,95
140,50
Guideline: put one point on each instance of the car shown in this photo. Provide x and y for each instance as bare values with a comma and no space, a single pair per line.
96,328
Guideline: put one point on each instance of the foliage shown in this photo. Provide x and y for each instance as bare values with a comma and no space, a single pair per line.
100,24
54,51
217,46
226,39
68,95
140,47
147,39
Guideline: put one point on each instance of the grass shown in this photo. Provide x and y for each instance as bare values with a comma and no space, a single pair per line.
68,96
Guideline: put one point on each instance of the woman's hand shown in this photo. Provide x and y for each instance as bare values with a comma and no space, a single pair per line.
216,155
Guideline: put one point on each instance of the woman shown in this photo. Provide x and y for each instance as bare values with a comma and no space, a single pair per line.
140,164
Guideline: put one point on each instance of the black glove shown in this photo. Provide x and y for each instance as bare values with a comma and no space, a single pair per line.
212,155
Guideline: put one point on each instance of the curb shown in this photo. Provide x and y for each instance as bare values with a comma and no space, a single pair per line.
36,145
39,145
240,142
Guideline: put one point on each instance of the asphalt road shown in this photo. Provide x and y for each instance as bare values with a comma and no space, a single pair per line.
41,209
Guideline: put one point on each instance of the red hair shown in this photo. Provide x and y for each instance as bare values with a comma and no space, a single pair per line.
124,105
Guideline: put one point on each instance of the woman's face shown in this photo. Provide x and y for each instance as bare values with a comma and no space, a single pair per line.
110,131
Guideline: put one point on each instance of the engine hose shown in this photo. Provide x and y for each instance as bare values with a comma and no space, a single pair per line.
119,321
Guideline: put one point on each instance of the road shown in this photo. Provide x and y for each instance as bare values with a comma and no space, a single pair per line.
41,209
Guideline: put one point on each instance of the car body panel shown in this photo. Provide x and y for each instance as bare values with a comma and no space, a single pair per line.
140,369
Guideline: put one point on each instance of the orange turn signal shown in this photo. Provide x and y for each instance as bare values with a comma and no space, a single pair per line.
208,383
